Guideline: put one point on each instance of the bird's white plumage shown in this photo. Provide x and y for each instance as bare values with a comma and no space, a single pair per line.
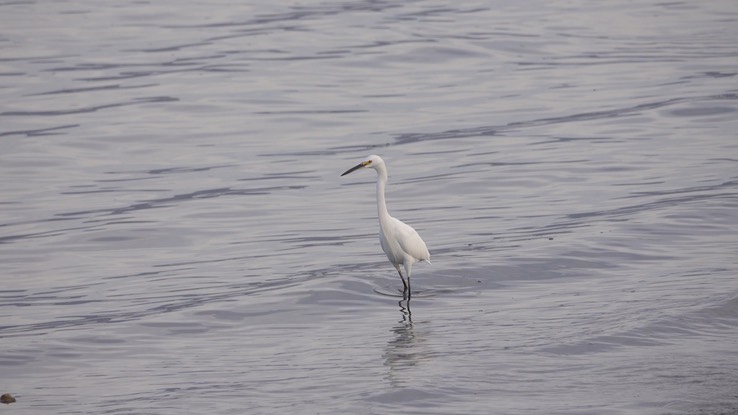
399,241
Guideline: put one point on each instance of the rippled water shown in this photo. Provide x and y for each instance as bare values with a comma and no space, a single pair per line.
175,236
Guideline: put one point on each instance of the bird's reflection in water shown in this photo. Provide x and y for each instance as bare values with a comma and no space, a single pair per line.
407,314
404,349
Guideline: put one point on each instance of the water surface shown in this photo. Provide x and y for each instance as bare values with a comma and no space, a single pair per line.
175,236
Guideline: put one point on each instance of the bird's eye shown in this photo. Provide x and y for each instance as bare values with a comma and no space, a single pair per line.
368,162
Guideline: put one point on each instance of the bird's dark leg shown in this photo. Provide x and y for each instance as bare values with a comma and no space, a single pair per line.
404,284
408,272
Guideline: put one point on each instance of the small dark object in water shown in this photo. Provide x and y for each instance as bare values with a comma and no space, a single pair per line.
7,398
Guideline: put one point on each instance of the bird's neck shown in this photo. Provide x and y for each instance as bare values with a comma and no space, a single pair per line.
381,204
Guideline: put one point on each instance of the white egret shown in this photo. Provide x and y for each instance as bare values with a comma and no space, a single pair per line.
399,241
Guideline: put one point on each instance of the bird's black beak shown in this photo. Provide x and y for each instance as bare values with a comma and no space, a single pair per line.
356,167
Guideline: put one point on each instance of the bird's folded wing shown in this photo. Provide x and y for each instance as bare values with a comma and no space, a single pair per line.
410,242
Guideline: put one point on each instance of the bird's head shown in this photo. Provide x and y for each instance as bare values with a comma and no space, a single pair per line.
372,162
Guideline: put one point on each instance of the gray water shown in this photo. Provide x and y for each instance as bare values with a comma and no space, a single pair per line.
175,237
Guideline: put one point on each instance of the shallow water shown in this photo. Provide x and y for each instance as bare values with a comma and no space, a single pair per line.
175,236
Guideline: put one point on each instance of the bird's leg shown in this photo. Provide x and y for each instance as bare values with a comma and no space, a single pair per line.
404,284
408,271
